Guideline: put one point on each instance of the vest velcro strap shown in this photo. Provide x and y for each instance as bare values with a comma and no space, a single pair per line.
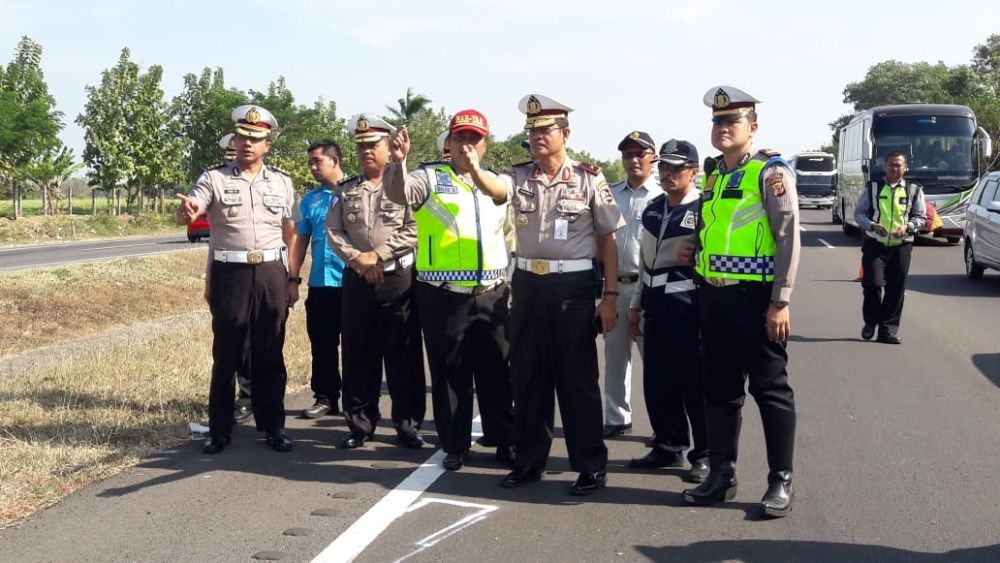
460,275
753,265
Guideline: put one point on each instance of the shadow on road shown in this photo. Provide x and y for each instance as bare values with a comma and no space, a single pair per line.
766,551
953,285
989,365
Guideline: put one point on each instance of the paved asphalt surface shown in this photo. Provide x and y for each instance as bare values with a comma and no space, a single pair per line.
20,257
898,459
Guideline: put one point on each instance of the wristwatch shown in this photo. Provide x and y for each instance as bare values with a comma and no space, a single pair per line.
779,304
297,280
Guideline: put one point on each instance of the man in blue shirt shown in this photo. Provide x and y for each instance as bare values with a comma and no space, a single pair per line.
323,302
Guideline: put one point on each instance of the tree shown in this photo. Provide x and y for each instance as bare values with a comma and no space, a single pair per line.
203,112
49,172
424,127
409,106
29,123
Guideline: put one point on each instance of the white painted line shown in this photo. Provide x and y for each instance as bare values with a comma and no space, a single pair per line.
99,248
801,228
826,244
84,260
371,524
452,529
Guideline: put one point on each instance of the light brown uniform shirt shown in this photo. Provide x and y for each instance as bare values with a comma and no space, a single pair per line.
364,219
246,213
557,218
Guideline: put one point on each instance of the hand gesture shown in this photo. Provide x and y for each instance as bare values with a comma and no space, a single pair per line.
634,324
399,145
777,323
880,230
607,312
189,209
685,253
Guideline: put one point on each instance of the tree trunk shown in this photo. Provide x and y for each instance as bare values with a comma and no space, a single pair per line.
93,202
45,202
69,198
17,199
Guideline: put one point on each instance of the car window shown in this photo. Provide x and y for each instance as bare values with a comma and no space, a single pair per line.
989,192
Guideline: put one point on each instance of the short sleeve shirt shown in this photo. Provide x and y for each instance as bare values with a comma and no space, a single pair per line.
327,268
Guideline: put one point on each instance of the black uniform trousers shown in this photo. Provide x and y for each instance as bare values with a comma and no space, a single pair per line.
736,348
554,354
884,267
466,342
379,324
323,326
249,305
673,381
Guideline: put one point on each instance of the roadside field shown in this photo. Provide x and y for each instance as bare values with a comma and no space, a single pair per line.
36,230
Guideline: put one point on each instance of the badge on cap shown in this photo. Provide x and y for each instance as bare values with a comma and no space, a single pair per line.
634,135
534,106
362,124
253,116
721,99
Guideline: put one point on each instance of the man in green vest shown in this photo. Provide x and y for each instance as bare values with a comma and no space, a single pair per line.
885,256
745,263
462,294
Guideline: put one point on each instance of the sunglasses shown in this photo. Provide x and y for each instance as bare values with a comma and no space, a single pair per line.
674,168
629,155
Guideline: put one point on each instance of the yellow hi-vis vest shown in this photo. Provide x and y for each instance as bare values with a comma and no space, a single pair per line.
735,241
891,211
460,237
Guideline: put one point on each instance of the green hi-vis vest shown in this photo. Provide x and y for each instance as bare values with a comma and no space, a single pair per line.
460,236
735,238
891,211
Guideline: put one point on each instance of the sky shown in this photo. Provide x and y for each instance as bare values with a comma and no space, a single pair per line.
622,65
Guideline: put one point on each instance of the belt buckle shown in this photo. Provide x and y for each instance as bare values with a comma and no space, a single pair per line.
540,267
479,290
255,256
716,282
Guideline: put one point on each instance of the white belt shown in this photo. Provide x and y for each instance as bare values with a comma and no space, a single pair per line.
467,290
679,286
542,267
403,262
248,256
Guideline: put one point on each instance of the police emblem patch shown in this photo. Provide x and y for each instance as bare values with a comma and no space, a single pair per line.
521,220
777,184
352,217
690,220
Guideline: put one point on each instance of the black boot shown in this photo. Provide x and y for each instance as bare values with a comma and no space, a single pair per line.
779,435
777,501
723,437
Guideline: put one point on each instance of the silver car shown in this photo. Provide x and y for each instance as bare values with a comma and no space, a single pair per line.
982,227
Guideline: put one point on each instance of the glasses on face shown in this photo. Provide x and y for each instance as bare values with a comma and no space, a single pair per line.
673,168
629,155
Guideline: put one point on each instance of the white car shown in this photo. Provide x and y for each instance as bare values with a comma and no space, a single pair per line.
982,227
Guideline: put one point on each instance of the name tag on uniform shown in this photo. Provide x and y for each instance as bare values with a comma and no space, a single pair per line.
273,200
690,220
446,189
561,229
526,192
231,196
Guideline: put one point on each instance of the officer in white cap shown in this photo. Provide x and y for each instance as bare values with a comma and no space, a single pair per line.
563,212
375,237
250,207
745,261
228,145
443,146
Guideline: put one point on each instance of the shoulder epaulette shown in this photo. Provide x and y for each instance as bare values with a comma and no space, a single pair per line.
592,169
525,163
217,166
346,181
435,163
769,153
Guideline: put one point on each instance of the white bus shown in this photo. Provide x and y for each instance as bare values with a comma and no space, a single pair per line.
815,178
945,150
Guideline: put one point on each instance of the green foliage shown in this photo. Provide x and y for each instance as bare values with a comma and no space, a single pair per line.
501,155
424,126
408,107
203,112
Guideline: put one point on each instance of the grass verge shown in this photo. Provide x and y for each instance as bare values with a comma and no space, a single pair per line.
37,230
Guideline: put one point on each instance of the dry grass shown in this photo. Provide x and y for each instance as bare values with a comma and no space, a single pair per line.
45,306
69,425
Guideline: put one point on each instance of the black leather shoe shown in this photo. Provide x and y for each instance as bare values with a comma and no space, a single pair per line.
612,430
868,331
215,444
651,441
411,441
658,457
278,441
506,455
889,339
454,462
720,486
697,474
351,442
318,410
520,476
777,501
588,482
241,413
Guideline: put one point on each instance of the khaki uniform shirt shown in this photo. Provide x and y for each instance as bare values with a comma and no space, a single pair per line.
556,218
246,213
365,219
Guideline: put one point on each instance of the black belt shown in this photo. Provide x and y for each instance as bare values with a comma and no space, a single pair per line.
629,279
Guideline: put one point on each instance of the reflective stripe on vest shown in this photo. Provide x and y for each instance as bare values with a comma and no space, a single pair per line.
891,211
459,232
735,239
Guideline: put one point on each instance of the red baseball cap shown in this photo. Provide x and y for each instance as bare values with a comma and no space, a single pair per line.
469,120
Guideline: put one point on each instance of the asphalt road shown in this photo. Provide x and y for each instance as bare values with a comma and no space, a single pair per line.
898,459
22,257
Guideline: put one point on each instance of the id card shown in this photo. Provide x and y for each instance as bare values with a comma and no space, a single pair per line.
562,229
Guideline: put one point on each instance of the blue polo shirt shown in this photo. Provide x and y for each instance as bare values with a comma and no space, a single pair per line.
327,268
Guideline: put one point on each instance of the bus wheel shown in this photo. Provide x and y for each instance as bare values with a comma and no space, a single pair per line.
953,240
973,270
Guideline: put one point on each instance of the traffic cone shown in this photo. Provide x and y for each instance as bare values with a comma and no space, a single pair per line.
861,273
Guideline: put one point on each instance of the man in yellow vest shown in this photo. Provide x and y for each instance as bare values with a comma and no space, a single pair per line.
462,295
745,263
885,256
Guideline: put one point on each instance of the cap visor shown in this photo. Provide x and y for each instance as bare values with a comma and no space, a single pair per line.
473,128
673,160
252,132
369,137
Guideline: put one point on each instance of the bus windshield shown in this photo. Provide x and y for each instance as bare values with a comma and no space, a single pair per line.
817,163
938,148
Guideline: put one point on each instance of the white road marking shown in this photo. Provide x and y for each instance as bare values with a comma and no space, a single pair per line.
371,524
83,260
99,248
452,529
801,228
826,244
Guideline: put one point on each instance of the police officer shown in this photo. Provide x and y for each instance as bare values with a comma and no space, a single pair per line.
462,295
375,237
563,212
885,254
747,256
443,146
323,305
242,410
673,372
250,206
631,195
